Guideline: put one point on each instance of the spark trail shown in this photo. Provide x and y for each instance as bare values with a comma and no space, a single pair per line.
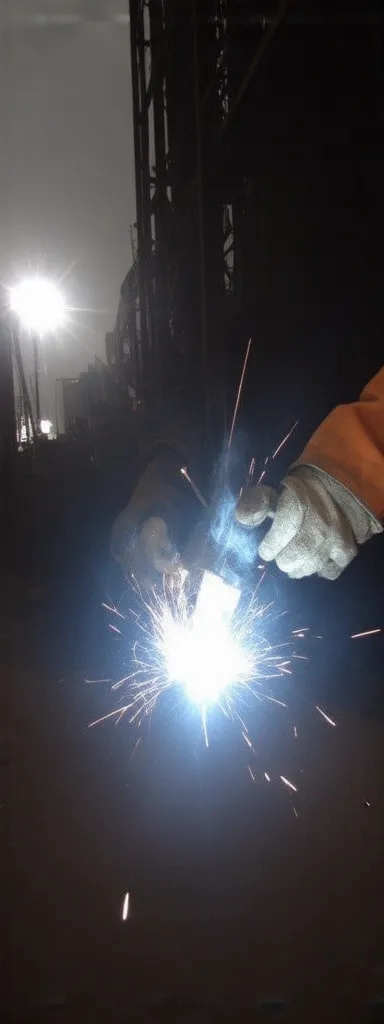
200,497
239,391
214,664
226,671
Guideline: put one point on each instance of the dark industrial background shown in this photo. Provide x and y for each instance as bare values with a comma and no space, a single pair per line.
258,132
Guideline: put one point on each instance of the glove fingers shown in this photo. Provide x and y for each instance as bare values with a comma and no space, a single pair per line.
255,505
312,531
330,571
165,566
285,527
339,560
304,558
156,548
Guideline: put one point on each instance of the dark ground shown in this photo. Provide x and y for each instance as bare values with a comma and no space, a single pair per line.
239,910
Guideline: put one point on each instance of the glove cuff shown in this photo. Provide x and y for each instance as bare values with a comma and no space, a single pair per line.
362,521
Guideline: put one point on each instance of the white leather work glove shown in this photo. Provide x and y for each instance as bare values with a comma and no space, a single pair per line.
317,523
149,553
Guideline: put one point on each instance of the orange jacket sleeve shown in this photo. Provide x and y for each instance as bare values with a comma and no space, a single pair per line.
349,445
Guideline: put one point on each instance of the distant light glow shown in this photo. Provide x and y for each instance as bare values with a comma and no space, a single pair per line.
39,305
46,426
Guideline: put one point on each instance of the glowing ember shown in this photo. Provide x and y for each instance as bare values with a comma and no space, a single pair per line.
197,492
287,782
284,441
239,391
368,632
327,718
125,910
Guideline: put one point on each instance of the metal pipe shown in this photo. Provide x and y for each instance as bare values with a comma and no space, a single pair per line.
37,381
269,32
7,400
200,202
139,194
23,382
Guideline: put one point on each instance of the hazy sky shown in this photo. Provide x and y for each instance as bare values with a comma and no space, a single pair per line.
68,172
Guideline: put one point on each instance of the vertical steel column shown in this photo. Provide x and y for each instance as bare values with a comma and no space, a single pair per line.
200,202
37,381
138,154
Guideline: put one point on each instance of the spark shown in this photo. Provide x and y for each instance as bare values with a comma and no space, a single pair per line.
111,608
217,657
239,390
267,777
204,721
261,580
251,773
295,732
249,477
197,492
295,811
274,700
111,714
368,632
138,741
290,785
285,439
90,681
248,742
114,628
125,911
327,718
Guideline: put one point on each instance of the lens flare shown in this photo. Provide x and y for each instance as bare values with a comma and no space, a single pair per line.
39,305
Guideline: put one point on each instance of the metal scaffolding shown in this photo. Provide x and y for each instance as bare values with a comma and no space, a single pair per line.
225,99
184,225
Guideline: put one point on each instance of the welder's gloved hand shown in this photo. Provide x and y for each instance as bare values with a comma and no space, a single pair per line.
317,523
149,553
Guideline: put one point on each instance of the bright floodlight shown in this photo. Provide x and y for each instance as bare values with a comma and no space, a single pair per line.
39,305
